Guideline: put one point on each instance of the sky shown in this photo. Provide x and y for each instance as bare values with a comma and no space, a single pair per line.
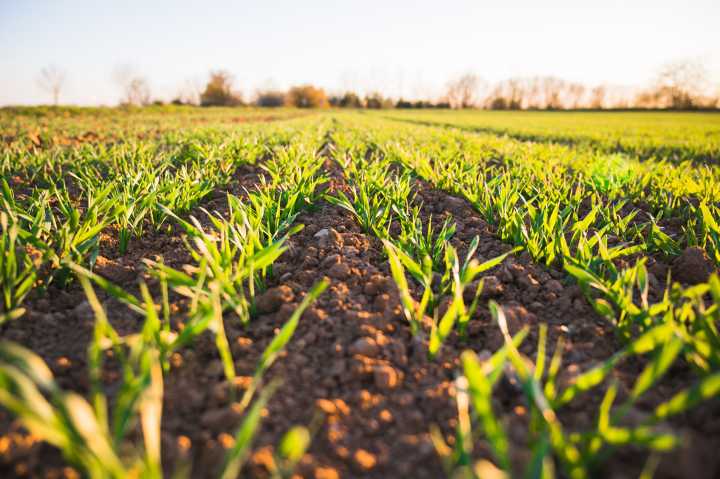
407,48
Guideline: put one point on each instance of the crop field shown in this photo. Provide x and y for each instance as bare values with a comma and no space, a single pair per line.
238,292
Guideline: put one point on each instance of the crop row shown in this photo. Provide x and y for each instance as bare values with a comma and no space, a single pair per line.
530,202
675,137
233,256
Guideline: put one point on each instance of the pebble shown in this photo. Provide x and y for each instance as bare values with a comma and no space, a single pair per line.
326,406
364,460
323,472
386,377
330,260
554,286
492,287
382,301
272,299
323,233
339,271
526,281
315,314
376,284
329,238
693,266
365,347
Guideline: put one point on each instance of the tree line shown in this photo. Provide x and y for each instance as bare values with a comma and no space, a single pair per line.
681,85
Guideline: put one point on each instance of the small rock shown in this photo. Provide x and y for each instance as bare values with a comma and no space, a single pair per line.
330,260
375,285
492,287
350,251
505,275
326,406
386,377
322,472
335,239
315,314
329,238
273,299
365,347
364,460
693,266
526,281
323,233
339,271
382,302
554,286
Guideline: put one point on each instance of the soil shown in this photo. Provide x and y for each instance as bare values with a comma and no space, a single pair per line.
352,367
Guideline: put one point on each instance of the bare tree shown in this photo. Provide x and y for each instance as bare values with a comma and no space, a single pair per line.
552,91
597,97
51,80
680,84
462,92
135,88
575,94
190,91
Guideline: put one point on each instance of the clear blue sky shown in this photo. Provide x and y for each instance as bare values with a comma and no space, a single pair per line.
407,48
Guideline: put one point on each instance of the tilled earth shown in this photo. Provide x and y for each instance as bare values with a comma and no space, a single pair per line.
352,369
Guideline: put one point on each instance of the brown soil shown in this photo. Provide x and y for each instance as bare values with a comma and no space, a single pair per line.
352,362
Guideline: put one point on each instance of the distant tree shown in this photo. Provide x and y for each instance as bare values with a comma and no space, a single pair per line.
498,102
575,93
403,104
306,96
552,89
189,92
350,100
462,92
597,97
680,84
270,98
376,101
51,80
219,90
137,92
135,88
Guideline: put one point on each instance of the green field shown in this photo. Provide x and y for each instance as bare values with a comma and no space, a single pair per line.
212,292
659,135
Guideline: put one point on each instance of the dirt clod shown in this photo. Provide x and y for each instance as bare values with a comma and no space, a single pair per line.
339,271
272,299
365,347
386,377
364,460
693,266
